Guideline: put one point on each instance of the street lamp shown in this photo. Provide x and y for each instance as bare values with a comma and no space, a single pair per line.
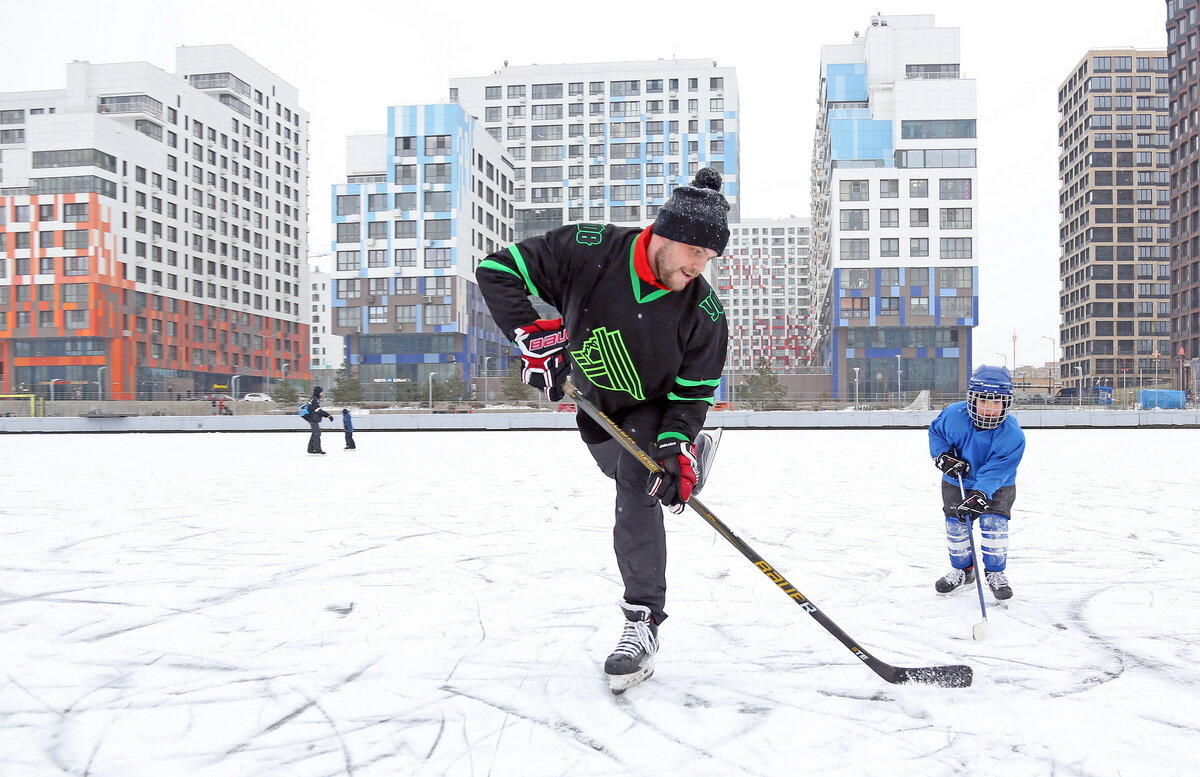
100,381
233,386
431,376
1050,367
856,369
1004,358
1079,386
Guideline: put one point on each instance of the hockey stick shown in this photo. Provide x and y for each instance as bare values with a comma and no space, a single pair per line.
979,630
952,676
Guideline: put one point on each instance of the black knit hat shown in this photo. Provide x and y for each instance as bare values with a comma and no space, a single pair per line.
696,214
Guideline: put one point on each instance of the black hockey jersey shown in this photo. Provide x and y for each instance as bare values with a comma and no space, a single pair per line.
631,342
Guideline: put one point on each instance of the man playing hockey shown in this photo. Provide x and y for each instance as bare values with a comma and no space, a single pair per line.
979,442
646,337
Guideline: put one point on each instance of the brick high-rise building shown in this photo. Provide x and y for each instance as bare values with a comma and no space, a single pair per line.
1114,234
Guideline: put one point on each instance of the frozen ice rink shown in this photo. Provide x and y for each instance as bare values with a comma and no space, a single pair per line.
442,604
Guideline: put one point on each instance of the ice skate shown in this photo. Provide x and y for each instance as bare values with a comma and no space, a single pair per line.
998,582
633,659
954,580
705,451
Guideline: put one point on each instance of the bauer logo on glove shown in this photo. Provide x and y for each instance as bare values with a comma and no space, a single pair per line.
544,364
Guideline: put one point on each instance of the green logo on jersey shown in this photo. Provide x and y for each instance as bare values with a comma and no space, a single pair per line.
607,364
712,306
589,234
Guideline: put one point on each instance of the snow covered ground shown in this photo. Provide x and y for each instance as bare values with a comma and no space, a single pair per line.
442,603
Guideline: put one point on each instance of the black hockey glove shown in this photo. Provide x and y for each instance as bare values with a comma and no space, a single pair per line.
673,486
952,465
975,503
543,347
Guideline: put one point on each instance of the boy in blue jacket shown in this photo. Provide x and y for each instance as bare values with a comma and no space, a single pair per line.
979,442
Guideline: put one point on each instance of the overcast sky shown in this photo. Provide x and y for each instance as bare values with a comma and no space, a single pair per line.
352,59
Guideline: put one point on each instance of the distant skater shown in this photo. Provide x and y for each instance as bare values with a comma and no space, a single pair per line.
312,413
348,428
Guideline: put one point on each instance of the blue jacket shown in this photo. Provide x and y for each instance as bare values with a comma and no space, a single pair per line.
993,453
346,425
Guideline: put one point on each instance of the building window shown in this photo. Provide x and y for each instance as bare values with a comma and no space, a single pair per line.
437,202
889,306
955,248
349,232
406,174
938,128
955,218
918,246
889,217
954,189
889,247
440,172
75,238
918,187
854,248
347,204
852,220
406,314
76,319
377,314
437,229
855,307
438,314
918,217
437,257
348,317
918,306
348,260
375,258
437,145
957,307
889,188
404,230
349,288
854,190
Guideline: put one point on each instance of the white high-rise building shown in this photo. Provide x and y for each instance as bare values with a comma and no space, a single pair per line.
606,142
895,216
326,350
152,229
762,280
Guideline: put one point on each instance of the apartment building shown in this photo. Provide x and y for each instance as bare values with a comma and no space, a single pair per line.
763,283
1183,84
326,350
606,142
894,214
1114,233
151,230
422,204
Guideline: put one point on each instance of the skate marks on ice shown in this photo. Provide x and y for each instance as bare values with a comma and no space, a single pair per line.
263,613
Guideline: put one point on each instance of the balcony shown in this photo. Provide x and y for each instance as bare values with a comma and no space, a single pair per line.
131,104
227,82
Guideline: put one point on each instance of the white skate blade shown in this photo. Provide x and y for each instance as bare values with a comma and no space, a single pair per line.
619,683
979,631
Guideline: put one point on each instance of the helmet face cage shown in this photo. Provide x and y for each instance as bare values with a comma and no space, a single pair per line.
987,421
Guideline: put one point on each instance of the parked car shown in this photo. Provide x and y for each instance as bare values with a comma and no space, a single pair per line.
217,398
255,396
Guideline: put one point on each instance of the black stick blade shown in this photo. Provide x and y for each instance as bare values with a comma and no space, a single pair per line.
955,676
